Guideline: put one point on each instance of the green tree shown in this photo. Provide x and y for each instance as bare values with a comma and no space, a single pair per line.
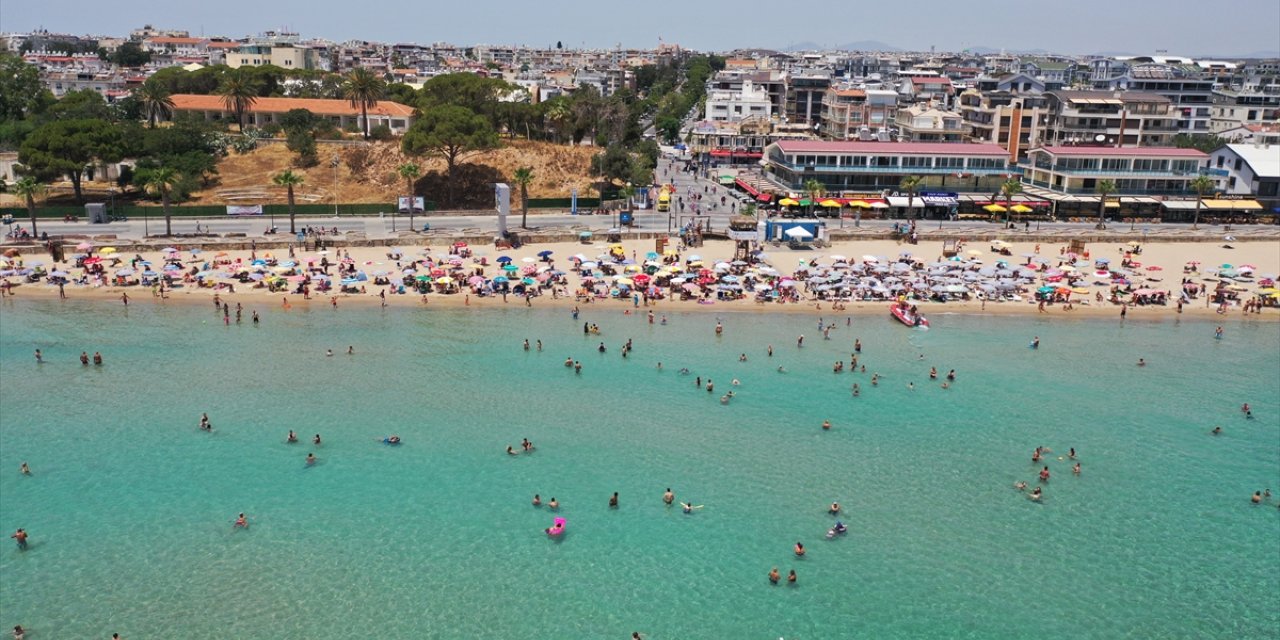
474,92
68,148
130,54
303,143
449,132
1010,188
523,176
22,95
1104,188
1202,184
363,88
28,189
157,103
289,180
815,191
910,184
1205,142
239,92
82,104
161,181
410,172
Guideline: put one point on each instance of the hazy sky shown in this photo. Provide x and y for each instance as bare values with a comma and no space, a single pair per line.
1182,27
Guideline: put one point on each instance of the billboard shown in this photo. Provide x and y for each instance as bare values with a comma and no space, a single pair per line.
244,209
419,204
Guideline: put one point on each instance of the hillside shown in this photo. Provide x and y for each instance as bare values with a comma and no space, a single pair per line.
367,173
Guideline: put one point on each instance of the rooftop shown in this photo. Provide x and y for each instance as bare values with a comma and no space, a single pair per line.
1264,160
1130,152
1124,96
906,148
189,102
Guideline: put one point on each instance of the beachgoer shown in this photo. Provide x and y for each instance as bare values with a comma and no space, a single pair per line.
1142,362
21,537
799,549
826,425
97,358
553,504
791,577
1044,474
39,356
1076,469
311,459
613,501
18,632
292,437
24,469
351,350
668,497
1217,431
770,351
1035,344
511,451
688,507
1036,494
241,522
328,352
835,508
316,440
1257,498
537,499
774,576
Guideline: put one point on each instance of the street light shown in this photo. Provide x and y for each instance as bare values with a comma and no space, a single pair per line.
335,162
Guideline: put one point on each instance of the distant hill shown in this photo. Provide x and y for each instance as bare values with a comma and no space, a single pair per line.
802,46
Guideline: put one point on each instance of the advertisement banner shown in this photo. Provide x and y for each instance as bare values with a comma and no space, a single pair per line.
744,235
419,204
244,209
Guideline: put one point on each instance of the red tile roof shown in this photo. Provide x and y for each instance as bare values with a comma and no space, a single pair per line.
189,102
1154,152
907,148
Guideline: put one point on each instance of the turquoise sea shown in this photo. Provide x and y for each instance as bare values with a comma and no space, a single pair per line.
130,506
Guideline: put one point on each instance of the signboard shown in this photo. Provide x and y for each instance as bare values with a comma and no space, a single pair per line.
573,202
419,204
244,210
940,198
752,236
502,201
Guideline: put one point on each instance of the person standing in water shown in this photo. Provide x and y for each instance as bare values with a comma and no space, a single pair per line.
668,497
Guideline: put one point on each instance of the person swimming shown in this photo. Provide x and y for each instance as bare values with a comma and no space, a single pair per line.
774,576
311,459
826,425
316,440
1257,497
328,352
1076,469
1142,362
241,522
24,469
537,499
1020,485
1036,494
292,438
791,577
835,508
799,550
553,505
613,500
511,451
1035,344
688,508
568,362
668,497
1217,431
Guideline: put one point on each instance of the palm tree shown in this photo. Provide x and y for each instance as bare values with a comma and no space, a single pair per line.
239,91
364,89
910,184
156,101
1104,188
524,177
161,180
1010,188
28,189
410,172
557,116
1202,185
815,191
289,180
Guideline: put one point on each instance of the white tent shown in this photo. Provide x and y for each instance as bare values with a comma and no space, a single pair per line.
797,233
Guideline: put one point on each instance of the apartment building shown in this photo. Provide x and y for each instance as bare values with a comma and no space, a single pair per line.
1122,119
876,166
854,113
285,56
1248,169
805,89
923,123
749,101
1134,170
1012,120
1254,103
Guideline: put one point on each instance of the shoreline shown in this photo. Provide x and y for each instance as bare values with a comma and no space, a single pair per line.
1171,256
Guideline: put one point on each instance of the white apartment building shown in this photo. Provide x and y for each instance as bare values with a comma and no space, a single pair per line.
751,101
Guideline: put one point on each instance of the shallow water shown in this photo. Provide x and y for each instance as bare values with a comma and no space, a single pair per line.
130,506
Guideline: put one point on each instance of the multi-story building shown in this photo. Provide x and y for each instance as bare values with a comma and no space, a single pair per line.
927,88
1117,118
774,84
1253,103
1246,169
285,56
879,166
1012,120
805,89
1190,92
856,113
1133,170
922,123
731,106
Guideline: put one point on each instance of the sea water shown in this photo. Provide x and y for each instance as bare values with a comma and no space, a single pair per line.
130,506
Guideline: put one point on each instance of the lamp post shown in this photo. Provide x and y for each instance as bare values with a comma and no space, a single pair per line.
335,162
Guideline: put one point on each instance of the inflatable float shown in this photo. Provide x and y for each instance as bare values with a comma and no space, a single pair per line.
837,530
556,528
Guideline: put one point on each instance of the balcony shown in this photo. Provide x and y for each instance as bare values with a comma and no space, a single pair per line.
895,170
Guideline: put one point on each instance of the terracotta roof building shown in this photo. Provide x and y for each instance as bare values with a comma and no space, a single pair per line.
264,111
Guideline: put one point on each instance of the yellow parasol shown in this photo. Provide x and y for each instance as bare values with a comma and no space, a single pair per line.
995,208
788,202
1020,208
830,203
107,250
860,204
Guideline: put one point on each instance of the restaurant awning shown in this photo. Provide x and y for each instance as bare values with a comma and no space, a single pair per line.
903,201
746,187
1239,205
765,197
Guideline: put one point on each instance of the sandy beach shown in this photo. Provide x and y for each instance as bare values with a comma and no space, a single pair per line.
1170,258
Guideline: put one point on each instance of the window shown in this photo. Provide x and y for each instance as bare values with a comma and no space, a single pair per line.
949,162
916,161
1115,164
1239,163
1220,161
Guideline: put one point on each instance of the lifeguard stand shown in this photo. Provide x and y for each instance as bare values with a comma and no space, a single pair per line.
742,229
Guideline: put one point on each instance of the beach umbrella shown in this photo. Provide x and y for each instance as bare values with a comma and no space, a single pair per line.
652,255
589,265
973,252
169,250
830,204
444,280
694,258
510,267
527,259
1020,208
84,246
125,272
500,280
787,202
504,259
545,253
107,250
995,208
859,204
